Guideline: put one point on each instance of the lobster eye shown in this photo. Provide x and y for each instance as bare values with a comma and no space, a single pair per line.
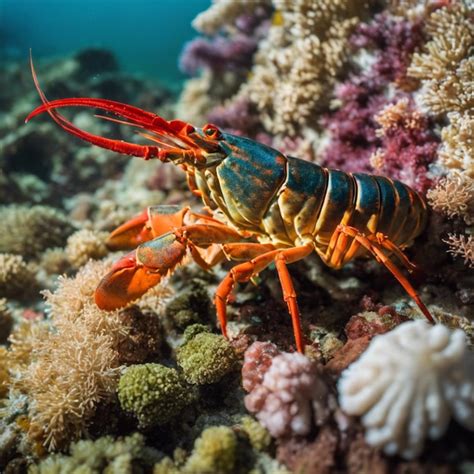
212,131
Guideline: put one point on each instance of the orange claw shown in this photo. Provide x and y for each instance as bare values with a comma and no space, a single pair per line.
134,232
127,281
134,274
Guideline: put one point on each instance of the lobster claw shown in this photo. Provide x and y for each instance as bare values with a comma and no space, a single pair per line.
152,222
135,273
134,232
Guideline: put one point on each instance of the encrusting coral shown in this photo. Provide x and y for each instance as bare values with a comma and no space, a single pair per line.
289,391
29,230
153,393
408,384
206,358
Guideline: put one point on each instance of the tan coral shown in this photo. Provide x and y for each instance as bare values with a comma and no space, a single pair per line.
224,12
29,230
457,151
17,278
297,64
84,245
462,246
454,196
74,363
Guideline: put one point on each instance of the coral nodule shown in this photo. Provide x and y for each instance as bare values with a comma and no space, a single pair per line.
408,384
206,358
153,393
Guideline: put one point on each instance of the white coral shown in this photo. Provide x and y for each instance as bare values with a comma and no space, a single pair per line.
408,383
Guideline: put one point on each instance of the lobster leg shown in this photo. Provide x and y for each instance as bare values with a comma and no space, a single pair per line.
376,251
244,271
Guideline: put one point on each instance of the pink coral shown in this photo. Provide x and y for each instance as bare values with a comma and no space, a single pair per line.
290,390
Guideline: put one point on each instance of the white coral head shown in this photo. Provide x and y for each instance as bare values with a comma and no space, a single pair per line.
408,384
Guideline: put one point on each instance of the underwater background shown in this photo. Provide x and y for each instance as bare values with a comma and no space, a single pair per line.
150,384
146,37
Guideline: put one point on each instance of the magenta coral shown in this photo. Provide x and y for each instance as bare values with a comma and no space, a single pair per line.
402,151
289,391
218,54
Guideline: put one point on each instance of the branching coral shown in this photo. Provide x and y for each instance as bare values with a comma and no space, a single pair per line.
408,383
454,196
28,231
290,388
153,393
75,364
298,63
462,246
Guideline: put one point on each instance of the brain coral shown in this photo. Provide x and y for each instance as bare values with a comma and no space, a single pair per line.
153,393
206,358
408,384
28,231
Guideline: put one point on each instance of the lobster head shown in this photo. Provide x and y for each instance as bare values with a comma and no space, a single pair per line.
171,141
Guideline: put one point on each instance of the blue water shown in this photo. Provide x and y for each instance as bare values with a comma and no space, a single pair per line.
146,35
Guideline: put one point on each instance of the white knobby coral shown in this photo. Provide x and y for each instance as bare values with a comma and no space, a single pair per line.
408,384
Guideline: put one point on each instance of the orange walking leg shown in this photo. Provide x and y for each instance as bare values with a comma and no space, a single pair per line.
375,250
281,260
240,273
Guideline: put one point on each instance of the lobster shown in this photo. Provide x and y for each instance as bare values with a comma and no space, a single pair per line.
263,207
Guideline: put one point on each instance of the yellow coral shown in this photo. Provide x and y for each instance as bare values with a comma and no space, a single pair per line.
84,245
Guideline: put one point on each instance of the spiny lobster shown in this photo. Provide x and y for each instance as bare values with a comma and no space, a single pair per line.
264,207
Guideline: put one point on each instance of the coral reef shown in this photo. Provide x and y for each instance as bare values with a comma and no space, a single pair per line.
153,393
408,384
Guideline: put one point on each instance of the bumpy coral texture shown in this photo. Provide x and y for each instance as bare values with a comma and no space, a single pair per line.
153,393
289,390
28,231
85,244
408,384
17,278
206,358
214,451
117,456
